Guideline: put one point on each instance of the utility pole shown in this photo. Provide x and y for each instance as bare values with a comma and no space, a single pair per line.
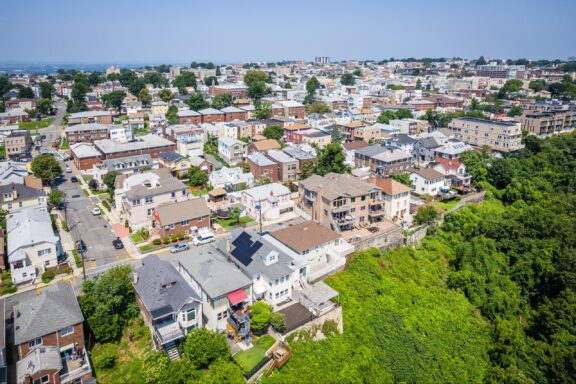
259,208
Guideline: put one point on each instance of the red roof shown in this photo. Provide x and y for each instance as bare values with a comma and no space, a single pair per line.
237,296
448,164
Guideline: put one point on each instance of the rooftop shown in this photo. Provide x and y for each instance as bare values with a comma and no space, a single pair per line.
303,236
183,210
335,185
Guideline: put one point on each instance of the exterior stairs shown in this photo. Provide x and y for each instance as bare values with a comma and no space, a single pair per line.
172,351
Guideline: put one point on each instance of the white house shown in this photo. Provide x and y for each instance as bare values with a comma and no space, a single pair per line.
121,133
427,181
231,179
231,150
32,245
273,200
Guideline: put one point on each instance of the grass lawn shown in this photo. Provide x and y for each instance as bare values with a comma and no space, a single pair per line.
446,205
120,119
128,356
64,144
200,192
249,358
228,223
87,178
2,152
137,237
37,124
148,247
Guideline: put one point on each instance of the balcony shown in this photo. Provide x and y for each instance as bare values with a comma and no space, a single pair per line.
168,331
345,220
341,208
75,368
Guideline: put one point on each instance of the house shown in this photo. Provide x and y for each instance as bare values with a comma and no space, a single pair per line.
147,144
21,104
293,133
263,146
124,165
177,164
368,134
159,108
168,304
396,198
403,142
262,167
87,117
317,251
138,195
121,133
32,244
454,170
350,149
212,115
136,120
86,133
85,156
189,116
12,172
427,181
317,137
383,160
452,150
232,113
49,338
425,149
18,144
14,117
287,165
231,179
182,217
17,196
302,155
231,150
340,201
224,289
289,109
269,267
272,201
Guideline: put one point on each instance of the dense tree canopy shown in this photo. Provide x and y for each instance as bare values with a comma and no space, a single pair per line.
114,99
186,79
46,167
222,100
347,79
197,102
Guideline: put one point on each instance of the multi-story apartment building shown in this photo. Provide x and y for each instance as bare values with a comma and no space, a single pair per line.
138,195
287,165
86,133
231,150
500,136
396,197
49,338
18,144
340,201
269,201
232,113
189,116
238,91
548,123
383,160
262,167
501,71
87,117
142,145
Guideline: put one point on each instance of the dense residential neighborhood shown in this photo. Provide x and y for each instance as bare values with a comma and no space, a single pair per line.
296,221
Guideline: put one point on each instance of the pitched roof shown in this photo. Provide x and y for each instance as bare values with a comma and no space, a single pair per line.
29,226
335,185
303,236
161,288
391,186
448,164
264,145
183,210
24,192
56,307
427,173
358,144
170,157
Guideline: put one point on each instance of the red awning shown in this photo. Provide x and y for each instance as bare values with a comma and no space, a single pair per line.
237,296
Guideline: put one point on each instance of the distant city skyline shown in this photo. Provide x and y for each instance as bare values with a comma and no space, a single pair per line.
177,32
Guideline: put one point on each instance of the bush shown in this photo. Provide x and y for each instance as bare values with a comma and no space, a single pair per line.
330,328
156,241
48,276
144,233
77,259
174,238
126,225
68,270
106,357
7,288
180,236
277,322
106,205
261,313
166,240
64,226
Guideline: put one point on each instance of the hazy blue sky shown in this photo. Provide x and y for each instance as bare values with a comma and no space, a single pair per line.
171,31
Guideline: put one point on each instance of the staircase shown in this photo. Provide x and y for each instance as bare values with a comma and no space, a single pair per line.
172,351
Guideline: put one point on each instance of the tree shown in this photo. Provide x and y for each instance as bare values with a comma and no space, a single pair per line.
481,61
257,90
46,90
331,159
308,169
222,100
500,173
108,303
114,99
418,84
210,80
196,102
273,132
311,86
261,313
109,180
144,96
403,178
244,165
252,77
335,134
537,85
55,198
79,90
218,71
203,347
46,167
234,215
515,111
386,116
25,93
510,86
44,106
186,79
165,95
317,107
404,114
172,115
357,73
426,215
474,104
262,110
347,79
198,177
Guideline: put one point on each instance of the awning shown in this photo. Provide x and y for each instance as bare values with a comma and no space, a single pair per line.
237,296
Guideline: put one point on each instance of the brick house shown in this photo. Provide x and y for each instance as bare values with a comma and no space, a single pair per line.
232,113
287,165
148,144
212,115
85,155
49,338
86,133
189,116
18,144
181,217
262,167
87,117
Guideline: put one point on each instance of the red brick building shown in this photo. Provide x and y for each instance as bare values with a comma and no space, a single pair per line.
144,145
263,167
86,133
181,217
85,155
232,113
189,116
212,115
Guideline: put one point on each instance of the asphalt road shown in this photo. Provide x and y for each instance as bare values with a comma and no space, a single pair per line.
53,132
94,230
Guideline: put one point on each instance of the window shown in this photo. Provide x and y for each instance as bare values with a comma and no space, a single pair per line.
189,315
149,199
67,331
42,380
173,194
47,263
35,342
43,252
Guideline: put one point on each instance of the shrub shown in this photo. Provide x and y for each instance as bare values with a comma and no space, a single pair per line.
277,322
8,288
156,241
106,205
180,236
261,313
330,328
5,275
166,240
48,276
174,238
144,233
106,357
64,226
126,225
77,259
68,270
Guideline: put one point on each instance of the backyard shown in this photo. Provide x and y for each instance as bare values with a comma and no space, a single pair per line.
250,358
228,223
44,123
447,204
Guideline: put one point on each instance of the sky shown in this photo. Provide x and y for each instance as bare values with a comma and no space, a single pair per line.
181,31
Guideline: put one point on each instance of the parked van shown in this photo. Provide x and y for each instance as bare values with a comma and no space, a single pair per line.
203,237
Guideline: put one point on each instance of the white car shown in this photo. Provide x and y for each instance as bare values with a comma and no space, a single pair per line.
96,211
203,238
68,170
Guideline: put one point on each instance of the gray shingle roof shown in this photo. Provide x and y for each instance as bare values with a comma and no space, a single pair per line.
172,213
335,185
55,308
161,288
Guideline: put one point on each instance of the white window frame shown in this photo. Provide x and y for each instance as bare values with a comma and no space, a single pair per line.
64,331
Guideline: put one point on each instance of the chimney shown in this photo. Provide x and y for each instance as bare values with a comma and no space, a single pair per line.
14,192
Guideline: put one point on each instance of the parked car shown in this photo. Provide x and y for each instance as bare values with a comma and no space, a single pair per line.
117,243
179,247
96,211
68,170
80,246
203,237
74,179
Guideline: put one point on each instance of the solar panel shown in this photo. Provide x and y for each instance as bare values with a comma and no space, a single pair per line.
245,248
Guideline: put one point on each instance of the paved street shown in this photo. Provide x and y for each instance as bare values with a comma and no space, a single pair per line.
53,132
